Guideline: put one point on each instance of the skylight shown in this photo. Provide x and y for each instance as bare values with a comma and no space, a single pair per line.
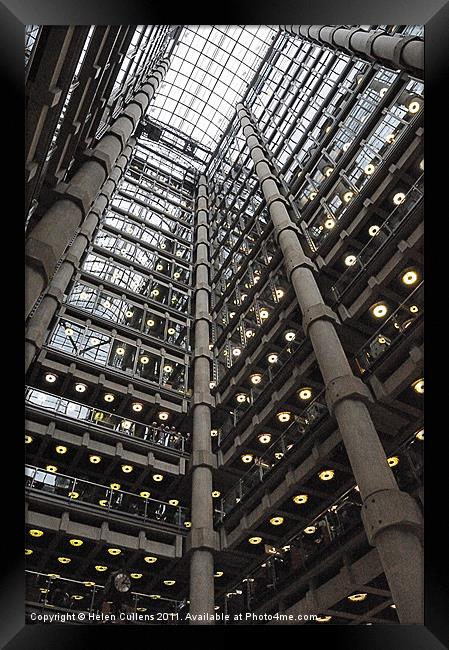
210,69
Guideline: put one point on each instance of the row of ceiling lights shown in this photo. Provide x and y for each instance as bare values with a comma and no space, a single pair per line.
51,377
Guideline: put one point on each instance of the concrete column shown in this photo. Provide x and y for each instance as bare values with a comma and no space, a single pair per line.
39,322
52,234
392,518
203,539
393,51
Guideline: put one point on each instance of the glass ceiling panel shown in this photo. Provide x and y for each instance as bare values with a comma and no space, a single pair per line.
210,69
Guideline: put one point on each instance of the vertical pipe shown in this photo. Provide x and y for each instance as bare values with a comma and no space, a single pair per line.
52,234
392,518
203,539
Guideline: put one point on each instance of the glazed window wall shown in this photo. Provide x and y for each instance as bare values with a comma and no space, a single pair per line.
126,278
160,185
119,354
128,314
151,260
153,238
103,420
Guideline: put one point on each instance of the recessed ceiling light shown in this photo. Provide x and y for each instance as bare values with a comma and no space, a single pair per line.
169,583
350,260
54,576
346,145
264,313
168,368
418,386
126,424
379,310
100,567
393,461
127,469
129,314
414,106
89,583
136,576
76,542
114,551
249,333
51,468
28,440
278,455
236,352
80,388
290,335
103,502
280,293
61,449
326,474
150,559
328,171
272,357
309,530
144,360
218,574
323,619
264,438
300,498
50,377
276,521
216,494
255,540
171,330
35,532
64,560
312,195
109,397
373,230
68,331
28,551
305,393
356,598
241,397
420,434
158,478
188,524
256,378
114,486
94,341
391,139
174,502
214,433
421,165
369,169
73,495
159,267
409,277
329,223
163,415
399,198
145,494
414,309
137,407
150,322
246,458
347,196
94,459
383,91
284,416
120,351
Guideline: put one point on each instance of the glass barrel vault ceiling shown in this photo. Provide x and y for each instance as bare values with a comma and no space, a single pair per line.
210,69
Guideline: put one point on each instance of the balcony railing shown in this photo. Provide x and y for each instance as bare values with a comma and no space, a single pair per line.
302,426
402,322
46,592
390,226
109,497
101,419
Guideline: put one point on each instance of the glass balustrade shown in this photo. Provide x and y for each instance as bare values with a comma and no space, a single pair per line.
110,497
99,418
